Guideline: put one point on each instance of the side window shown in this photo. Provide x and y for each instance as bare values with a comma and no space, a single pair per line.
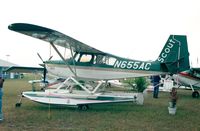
197,74
111,61
100,59
86,58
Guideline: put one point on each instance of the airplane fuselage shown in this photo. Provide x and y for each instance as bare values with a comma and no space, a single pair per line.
116,68
187,79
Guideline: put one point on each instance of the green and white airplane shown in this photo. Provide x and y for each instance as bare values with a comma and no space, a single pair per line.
88,63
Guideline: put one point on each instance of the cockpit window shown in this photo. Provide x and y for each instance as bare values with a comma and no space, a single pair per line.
86,58
95,59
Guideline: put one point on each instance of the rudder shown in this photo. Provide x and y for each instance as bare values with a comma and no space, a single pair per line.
174,57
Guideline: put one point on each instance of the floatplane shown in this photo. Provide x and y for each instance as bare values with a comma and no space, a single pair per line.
88,63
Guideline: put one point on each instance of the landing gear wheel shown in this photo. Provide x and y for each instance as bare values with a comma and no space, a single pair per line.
109,85
18,104
83,107
195,94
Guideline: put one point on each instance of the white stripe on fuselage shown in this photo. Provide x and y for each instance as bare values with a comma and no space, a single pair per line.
97,73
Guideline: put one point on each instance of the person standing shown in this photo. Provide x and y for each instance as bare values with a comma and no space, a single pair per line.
156,81
1,95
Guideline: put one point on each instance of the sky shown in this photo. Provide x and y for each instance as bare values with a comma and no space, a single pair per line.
136,29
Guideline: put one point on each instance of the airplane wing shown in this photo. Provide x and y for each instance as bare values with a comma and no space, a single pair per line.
52,36
21,69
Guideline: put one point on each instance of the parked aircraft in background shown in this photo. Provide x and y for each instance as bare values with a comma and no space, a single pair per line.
189,78
87,63
19,69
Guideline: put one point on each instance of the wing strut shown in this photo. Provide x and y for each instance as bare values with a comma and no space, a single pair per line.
73,59
63,59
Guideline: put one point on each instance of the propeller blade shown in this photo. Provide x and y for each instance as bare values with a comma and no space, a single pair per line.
50,57
40,57
44,75
44,65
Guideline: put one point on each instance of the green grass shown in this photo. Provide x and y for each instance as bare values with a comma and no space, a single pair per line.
152,116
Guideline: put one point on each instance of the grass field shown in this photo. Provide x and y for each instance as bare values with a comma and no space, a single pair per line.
152,116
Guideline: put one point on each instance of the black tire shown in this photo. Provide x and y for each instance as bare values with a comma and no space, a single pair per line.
83,107
195,94
17,104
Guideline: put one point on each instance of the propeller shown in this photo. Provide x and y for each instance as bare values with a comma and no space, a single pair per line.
44,65
50,57
40,58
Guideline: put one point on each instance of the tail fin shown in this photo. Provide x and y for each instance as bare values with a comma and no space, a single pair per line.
174,57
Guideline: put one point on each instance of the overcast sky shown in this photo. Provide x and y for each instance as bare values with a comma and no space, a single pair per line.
136,29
